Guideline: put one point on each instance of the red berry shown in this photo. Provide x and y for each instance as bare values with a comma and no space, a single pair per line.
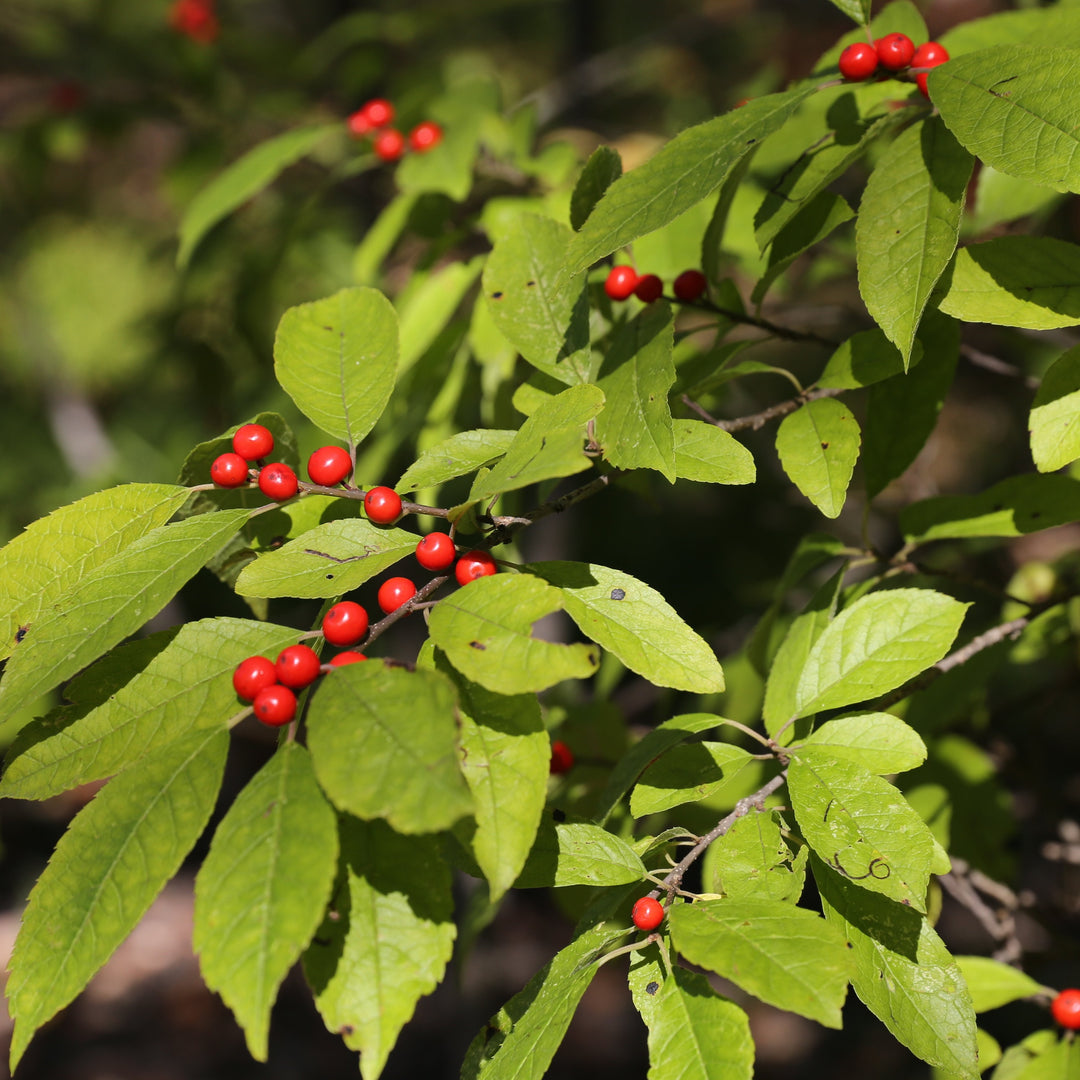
648,288
329,465
647,913
252,675
930,55
195,19
689,285
67,96
389,145
382,505
253,441
894,51
378,112
858,61
473,565
297,666
394,592
436,552
345,623
229,471
347,657
278,482
562,758
275,705
620,282
358,124
1066,1009
425,136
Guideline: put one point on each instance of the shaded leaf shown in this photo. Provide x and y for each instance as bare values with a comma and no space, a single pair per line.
686,773
865,358
602,169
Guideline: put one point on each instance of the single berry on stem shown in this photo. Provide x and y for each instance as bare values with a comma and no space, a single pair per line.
473,565
253,441
229,471
378,112
345,623
252,675
195,19
647,913
358,124
275,705
297,666
894,51
858,61
649,287
1066,1009
382,505
278,482
389,144
562,758
436,552
620,282
394,592
929,55
425,136
329,465
689,285
347,657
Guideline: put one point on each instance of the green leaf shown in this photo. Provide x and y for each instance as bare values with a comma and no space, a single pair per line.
909,222
1015,507
751,861
696,1035
108,867
425,310
865,358
1058,26
387,940
875,645
784,955
633,621
1055,414
602,169
262,890
44,562
862,827
635,428
543,314
242,179
1015,1060
688,168
548,446
686,773
385,744
879,742
484,629
578,854
459,455
337,359
328,560
859,10
818,447
186,686
1015,108
1000,198
993,984
904,974
1027,281
113,601
380,238
1060,1061
711,455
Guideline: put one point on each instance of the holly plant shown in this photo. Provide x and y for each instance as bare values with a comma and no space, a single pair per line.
573,334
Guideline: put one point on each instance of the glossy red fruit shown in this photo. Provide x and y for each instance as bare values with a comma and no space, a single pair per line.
347,657
252,675
1066,1009
229,471
858,61
647,913
648,288
620,282
297,666
358,124
394,592
689,285
389,144
894,51
253,441
562,758
473,565
930,55
194,19
345,623
378,112
329,465
275,705
382,505
436,552
425,136
278,482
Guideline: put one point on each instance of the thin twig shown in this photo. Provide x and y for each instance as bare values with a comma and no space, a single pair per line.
964,884
410,605
998,367
760,419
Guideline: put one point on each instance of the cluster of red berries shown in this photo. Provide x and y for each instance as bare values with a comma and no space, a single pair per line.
374,119
623,282
195,19
893,52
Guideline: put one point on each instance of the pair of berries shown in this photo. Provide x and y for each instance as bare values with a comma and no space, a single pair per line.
195,19
396,591
893,52
374,117
623,281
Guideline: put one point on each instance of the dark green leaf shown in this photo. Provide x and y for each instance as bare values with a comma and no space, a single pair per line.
602,169
859,10
865,358
687,773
